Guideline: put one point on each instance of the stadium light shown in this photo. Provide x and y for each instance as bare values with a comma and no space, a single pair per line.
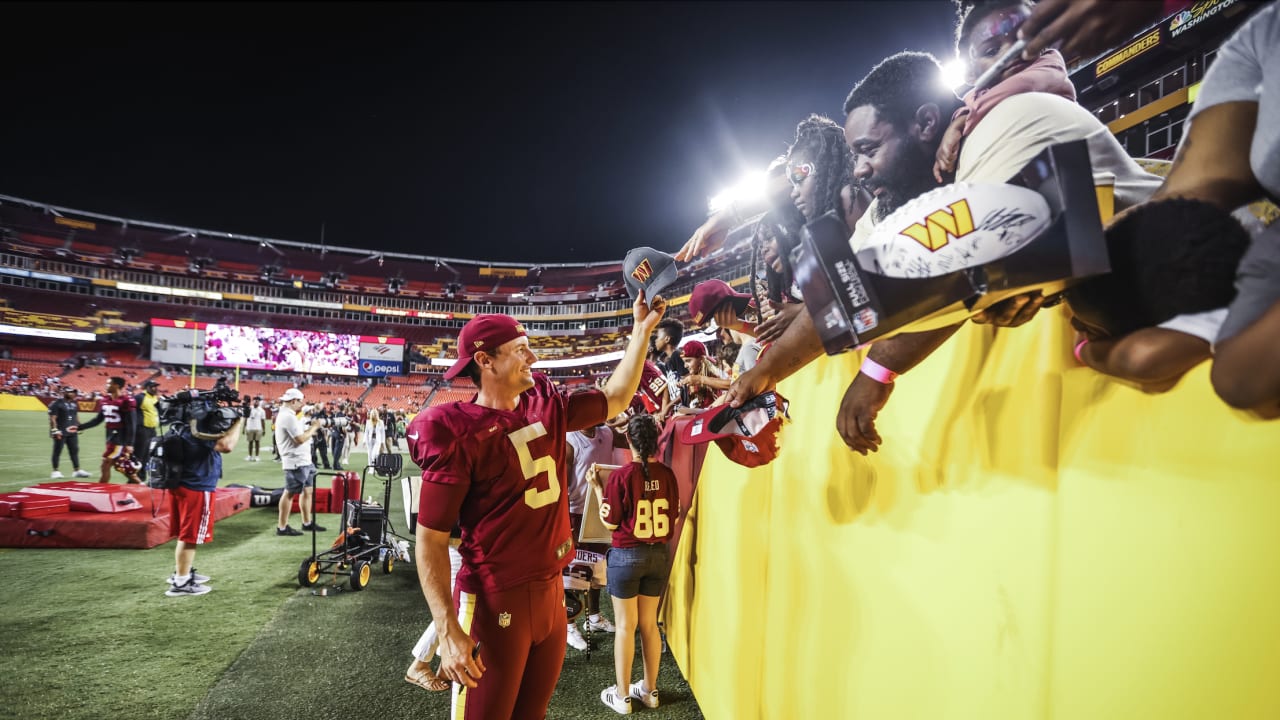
953,74
749,188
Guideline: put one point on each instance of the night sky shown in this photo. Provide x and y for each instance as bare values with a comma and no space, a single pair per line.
529,132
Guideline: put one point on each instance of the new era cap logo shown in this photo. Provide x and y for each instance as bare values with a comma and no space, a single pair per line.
643,271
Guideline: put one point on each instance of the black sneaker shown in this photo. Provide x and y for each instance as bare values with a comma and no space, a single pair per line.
312,526
287,531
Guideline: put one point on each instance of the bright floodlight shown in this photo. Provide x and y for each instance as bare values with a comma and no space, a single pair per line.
751,187
953,74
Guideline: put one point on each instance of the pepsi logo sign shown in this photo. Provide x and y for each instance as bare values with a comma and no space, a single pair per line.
379,368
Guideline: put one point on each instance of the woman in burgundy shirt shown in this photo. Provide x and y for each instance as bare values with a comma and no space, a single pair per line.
641,503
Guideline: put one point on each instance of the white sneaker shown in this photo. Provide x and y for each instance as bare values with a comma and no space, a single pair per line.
200,579
620,705
56,475
248,458
650,699
601,625
190,587
576,641
79,473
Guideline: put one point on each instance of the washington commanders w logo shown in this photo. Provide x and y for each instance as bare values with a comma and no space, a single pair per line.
942,225
643,271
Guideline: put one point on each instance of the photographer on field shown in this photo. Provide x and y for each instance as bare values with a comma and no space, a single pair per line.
187,461
320,440
294,442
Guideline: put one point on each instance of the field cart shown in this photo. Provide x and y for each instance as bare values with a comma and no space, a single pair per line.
366,536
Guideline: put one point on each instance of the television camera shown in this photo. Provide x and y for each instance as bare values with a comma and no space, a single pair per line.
200,414
209,413
316,412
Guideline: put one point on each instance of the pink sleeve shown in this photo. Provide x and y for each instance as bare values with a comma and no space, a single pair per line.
1048,74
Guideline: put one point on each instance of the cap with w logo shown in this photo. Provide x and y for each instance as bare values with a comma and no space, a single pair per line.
650,270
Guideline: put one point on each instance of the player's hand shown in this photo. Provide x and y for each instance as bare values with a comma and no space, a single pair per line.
647,314
748,385
770,330
856,420
707,238
73,430
1012,312
126,450
456,661
1084,28
55,434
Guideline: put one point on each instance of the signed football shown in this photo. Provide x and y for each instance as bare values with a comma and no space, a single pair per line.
954,227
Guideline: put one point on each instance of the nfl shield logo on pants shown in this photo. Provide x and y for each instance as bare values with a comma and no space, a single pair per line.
504,619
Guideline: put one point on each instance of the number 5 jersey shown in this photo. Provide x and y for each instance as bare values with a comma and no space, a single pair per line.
500,476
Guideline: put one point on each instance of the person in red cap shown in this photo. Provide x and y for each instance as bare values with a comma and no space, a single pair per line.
494,466
703,382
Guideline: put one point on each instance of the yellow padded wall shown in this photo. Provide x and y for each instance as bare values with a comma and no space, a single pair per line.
1032,541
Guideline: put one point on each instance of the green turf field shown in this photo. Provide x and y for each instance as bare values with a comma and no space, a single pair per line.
90,633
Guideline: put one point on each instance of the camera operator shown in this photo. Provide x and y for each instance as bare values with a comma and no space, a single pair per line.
295,457
319,441
191,501
340,425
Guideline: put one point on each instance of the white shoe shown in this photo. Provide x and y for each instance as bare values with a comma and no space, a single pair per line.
620,705
576,641
601,625
650,699
248,458
200,579
56,475
79,473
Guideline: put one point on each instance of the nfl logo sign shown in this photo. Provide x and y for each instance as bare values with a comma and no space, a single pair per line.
504,620
865,319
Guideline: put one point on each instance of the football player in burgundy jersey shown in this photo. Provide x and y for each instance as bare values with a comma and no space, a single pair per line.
494,466
640,503
117,410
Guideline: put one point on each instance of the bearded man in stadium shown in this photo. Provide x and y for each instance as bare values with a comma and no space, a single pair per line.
893,126
117,410
494,466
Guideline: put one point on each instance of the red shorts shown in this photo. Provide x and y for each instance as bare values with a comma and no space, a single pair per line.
113,450
522,644
191,511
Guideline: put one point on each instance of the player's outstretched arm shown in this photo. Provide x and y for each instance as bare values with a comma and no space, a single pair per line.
621,387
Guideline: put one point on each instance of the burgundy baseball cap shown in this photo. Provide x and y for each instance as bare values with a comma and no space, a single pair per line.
710,295
747,435
693,349
483,332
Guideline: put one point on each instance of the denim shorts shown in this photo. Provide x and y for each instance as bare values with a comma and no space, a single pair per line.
639,570
297,479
